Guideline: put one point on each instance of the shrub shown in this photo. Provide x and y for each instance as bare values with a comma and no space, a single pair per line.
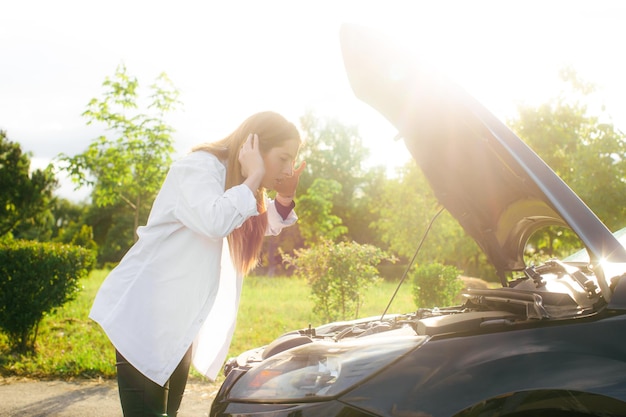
435,285
36,278
338,274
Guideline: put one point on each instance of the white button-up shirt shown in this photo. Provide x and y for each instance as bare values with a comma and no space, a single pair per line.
177,285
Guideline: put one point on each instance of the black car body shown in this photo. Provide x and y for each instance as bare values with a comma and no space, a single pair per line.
551,342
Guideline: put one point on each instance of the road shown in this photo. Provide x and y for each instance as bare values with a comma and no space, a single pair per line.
21,397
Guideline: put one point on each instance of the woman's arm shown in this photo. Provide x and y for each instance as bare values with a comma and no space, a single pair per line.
195,186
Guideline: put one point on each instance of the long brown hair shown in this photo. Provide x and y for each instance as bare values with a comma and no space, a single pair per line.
273,130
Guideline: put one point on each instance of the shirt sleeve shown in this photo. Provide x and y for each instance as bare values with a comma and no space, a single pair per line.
196,186
284,210
275,220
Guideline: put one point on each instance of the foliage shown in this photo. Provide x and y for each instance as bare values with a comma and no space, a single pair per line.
69,344
24,196
84,238
404,217
329,191
271,262
364,208
334,151
585,150
36,278
315,206
549,243
71,225
406,211
112,232
435,285
339,274
69,217
130,166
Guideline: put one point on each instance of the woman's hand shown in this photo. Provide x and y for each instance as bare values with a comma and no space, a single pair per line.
286,189
252,165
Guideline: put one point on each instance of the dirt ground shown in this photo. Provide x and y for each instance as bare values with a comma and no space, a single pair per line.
85,398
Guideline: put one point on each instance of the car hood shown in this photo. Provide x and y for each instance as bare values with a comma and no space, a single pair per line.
498,189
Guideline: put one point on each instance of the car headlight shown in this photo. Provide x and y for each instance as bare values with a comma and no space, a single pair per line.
321,369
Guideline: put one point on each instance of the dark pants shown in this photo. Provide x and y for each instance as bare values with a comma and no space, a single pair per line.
141,397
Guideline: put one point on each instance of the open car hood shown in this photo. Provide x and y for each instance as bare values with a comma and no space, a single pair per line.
498,189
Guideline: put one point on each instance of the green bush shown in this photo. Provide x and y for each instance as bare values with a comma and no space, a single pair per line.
338,274
36,278
435,285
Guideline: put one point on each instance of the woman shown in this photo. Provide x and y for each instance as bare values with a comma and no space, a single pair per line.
179,285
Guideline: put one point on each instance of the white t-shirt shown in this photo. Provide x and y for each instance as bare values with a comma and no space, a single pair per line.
177,284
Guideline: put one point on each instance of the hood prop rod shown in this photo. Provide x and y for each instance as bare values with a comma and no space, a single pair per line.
406,271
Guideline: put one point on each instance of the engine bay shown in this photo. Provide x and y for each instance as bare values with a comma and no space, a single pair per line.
552,291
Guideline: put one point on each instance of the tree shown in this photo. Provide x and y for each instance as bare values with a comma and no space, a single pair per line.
365,206
334,151
315,206
583,149
404,217
71,225
25,196
130,165
69,217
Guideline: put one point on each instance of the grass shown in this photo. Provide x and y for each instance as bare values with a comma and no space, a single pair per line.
70,345
272,306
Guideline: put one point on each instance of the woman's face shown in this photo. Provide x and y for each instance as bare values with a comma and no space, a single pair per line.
279,163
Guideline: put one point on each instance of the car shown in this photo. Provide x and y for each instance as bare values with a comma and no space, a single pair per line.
550,341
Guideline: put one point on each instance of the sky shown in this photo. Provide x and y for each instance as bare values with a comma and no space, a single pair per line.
232,58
